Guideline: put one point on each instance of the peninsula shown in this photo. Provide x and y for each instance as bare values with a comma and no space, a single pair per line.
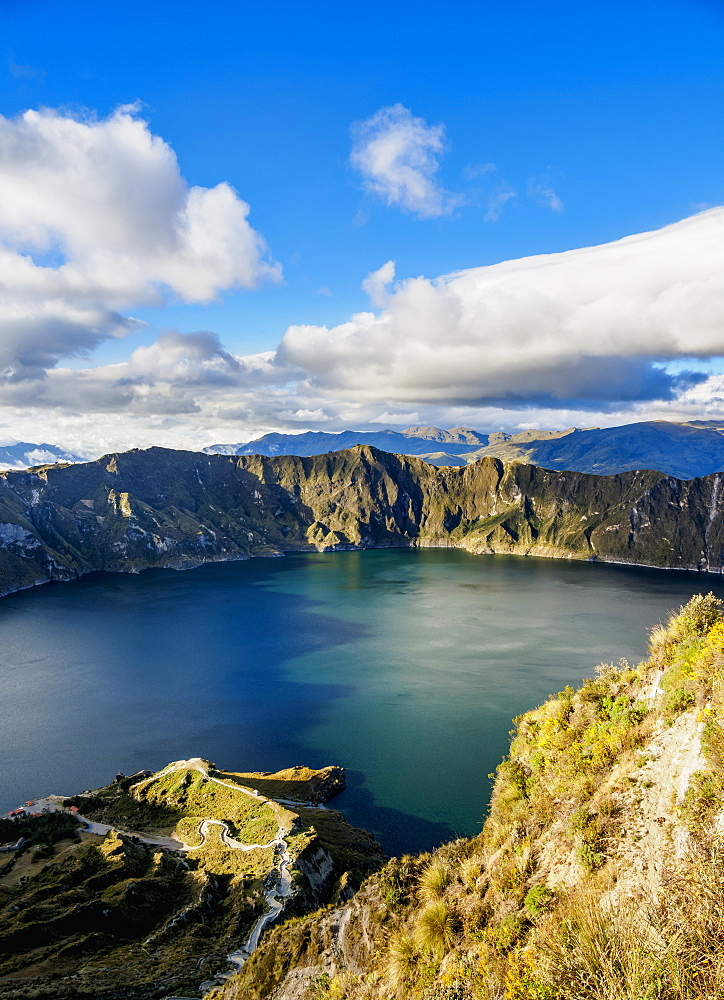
165,882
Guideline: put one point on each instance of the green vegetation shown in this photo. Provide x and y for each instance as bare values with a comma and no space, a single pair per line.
115,917
593,879
42,831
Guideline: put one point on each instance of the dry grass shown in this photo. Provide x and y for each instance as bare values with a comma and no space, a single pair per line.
589,952
435,929
401,963
434,880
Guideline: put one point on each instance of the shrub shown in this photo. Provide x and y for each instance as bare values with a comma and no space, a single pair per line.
509,931
434,880
702,801
435,929
590,858
678,701
538,900
699,615
397,880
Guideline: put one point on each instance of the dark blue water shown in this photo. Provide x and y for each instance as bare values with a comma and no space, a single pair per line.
406,667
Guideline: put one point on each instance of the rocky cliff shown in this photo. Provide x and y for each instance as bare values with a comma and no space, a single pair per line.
158,507
178,509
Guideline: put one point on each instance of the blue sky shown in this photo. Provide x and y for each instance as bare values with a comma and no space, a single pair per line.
563,126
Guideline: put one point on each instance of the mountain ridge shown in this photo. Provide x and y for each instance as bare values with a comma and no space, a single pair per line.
162,508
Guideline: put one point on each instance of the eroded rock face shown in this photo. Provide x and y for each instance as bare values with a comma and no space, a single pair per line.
163,508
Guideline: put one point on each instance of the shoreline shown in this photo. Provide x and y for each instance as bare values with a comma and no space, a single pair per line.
402,544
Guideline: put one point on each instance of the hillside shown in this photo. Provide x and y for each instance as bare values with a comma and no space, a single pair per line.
598,875
141,509
170,882
683,450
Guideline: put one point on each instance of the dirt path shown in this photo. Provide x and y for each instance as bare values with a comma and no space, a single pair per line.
279,892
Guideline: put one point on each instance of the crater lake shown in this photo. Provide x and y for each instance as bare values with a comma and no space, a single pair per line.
405,667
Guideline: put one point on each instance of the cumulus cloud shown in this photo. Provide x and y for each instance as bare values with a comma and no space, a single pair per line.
585,327
180,373
398,157
95,218
377,282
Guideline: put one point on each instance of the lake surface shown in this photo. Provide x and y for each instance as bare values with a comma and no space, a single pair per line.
404,666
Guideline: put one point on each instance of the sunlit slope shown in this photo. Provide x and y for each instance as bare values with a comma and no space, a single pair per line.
179,870
599,873
178,509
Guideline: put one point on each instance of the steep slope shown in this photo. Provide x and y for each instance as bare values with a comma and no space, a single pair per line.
158,507
599,873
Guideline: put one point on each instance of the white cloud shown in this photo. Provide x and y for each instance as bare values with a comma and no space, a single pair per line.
576,338
585,327
476,170
406,419
96,218
317,416
377,282
398,157
541,191
491,189
497,199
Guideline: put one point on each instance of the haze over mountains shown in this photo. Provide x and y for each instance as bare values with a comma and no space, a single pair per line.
683,450
24,455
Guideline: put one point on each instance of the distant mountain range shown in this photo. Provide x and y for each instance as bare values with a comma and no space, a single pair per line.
683,450
24,455
420,441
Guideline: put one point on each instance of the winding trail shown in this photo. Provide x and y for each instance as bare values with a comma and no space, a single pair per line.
277,893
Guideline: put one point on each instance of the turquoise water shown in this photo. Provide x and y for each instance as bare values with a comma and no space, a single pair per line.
404,666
